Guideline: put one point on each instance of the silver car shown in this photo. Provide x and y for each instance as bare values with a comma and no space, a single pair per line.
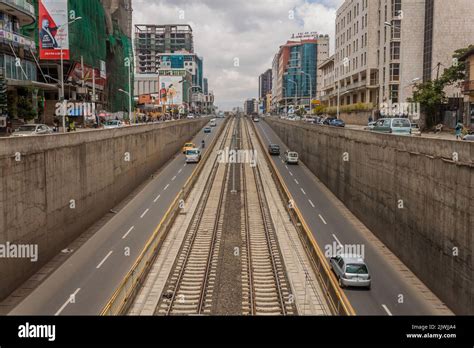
291,157
351,271
32,129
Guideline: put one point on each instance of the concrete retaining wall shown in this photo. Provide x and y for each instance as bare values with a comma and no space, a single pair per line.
87,167
383,171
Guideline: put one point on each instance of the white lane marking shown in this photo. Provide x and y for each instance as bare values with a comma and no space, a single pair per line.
67,302
144,213
337,240
296,181
291,173
287,167
179,171
128,232
157,198
185,165
303,191
311,202
387,310
166,187
282,161
174,178
104,259
322,219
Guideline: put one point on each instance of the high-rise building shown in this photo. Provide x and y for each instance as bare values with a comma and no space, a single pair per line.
206,86
384,47
251,106
153,40
264,89
296,78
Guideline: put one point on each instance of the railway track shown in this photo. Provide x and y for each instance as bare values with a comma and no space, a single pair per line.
190,286
266,289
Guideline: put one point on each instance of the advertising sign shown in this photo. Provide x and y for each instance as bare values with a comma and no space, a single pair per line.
171,90
76,76
53,29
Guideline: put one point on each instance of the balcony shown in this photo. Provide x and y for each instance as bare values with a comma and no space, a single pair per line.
22,9
468,87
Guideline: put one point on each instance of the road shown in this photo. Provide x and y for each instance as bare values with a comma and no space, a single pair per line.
331,225
86,281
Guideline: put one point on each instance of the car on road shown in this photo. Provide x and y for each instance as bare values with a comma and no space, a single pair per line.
468,137
351,270
291,157
213,123
190,117
256,119
336,122
113,124
398,126
274,149
188,146
207,130
32,129
415,129
193,156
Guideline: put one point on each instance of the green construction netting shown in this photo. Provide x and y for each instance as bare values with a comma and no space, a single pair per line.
88,38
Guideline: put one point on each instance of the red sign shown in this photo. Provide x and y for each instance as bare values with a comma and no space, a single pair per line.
76,76
53,29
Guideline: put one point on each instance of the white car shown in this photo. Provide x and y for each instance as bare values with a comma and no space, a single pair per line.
191,117
193,156
291,157
32,129
113,124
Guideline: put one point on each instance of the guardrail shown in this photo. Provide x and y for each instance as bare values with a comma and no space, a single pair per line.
336,298
128,288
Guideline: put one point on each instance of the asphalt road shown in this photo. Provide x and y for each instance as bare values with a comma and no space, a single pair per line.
87,280
330,225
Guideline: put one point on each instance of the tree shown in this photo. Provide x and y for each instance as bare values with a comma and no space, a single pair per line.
431,95
319,110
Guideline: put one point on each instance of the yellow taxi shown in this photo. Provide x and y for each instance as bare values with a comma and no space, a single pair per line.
188,146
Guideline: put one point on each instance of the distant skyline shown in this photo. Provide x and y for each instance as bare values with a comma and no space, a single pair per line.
242,32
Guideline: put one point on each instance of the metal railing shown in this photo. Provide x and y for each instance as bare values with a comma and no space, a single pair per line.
337,300
130,285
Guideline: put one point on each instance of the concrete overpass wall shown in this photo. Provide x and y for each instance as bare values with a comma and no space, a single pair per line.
408,191
91,168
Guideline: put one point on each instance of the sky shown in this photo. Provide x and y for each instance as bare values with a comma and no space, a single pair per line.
239,38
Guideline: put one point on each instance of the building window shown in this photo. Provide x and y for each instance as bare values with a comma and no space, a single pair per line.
395,50
394,72
396,8
396,29
394,93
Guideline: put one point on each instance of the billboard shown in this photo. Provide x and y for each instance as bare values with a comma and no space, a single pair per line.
171,90
76,76
53,29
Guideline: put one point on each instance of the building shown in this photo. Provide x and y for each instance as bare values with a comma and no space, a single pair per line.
206,86
153,40
468,89
385,47
328,86
15,47
295,74
251,106
264,88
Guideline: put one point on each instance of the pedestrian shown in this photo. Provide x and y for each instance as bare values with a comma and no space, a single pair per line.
459,128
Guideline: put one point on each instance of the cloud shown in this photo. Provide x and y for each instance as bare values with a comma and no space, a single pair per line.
245,31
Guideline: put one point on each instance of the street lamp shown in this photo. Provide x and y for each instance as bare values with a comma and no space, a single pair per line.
61,75
339,95
310,90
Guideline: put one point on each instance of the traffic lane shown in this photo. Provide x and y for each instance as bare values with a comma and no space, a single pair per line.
324,216
93,272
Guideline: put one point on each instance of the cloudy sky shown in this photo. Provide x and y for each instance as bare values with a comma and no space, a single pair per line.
247,31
